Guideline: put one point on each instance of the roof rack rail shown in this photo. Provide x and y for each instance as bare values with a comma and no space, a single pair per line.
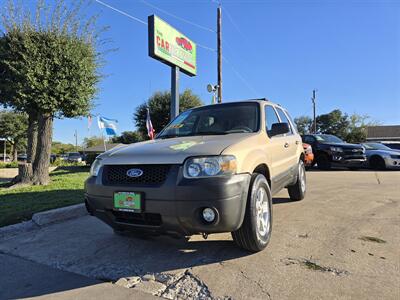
258,99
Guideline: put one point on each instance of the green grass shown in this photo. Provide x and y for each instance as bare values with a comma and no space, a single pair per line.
66,188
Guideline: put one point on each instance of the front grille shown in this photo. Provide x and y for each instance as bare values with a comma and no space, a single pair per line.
137,218
152,174
353,151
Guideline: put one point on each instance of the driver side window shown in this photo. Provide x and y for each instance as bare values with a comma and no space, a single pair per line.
270,118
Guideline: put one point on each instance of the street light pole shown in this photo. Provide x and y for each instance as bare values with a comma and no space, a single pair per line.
219,60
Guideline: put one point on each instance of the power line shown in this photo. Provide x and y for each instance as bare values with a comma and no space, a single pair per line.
121,12
247,84
143,22
177,17
233,22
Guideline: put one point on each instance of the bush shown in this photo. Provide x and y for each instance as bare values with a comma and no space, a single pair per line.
8,165
63,163
90,157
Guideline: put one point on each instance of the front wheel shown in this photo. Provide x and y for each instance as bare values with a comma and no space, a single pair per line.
377,163
255,232
298,190
323,162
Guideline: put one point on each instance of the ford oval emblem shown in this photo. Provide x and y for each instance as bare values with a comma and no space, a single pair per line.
134,173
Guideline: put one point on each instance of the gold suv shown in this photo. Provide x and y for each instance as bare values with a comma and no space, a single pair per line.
213,169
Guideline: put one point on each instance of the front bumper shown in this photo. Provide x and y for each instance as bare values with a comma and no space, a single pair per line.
341,159
175,205
392,163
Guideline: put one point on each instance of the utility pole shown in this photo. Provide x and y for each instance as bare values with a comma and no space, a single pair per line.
314,118
219,46
76,140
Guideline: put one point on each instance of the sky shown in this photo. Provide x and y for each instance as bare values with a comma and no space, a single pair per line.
349,51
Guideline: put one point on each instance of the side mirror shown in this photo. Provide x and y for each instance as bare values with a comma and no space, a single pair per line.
279,128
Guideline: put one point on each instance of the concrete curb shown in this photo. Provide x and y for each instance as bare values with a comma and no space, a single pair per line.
43,219
12,230
58,215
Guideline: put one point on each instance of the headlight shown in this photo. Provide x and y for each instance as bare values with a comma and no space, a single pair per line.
336,149
210,166
94,169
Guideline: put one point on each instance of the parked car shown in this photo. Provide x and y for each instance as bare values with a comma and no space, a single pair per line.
53,158
381,157
63,156
212,169
308,155
22,157
394,145
331,151
74,157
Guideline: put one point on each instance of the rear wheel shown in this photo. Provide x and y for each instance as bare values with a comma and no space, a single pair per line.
323,162
377,163
255,232
298,190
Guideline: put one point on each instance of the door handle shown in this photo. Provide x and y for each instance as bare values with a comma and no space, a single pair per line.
286,145
297,142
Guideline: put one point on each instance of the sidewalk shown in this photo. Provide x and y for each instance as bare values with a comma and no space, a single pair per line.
21,278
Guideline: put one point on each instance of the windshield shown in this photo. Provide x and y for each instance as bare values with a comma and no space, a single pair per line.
375,146
74,155
214,120
328,138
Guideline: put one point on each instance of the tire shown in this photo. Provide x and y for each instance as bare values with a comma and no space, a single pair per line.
377,163
255,232
323,162
298,190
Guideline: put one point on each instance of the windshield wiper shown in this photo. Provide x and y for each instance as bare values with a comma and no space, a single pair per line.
210,133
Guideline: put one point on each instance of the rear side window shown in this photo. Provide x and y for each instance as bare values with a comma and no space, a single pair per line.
308,139
284,118
270,118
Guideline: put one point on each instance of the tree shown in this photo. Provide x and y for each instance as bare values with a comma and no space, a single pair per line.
159,105
13,127
92,141
357,130
49,70
61,148
128,137
335,123
303,124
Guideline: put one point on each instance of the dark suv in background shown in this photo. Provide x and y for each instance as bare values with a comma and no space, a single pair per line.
331,151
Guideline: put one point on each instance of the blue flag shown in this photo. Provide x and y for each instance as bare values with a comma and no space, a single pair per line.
110,125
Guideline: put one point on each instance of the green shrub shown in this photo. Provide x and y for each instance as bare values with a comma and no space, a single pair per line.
90,157
63,163
8,165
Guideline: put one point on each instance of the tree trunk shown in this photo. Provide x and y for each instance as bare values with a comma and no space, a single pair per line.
25,172
14,151
32,137
41,163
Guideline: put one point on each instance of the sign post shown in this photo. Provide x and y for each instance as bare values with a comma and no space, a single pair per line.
171,47
174,92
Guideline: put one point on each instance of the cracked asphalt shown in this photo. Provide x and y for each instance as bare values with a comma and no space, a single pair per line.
342,241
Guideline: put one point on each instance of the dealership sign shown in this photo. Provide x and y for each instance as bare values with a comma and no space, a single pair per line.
171,47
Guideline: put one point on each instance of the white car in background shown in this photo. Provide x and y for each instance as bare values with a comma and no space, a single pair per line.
381,157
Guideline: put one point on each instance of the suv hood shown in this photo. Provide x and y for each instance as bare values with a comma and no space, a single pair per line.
171,151
345,145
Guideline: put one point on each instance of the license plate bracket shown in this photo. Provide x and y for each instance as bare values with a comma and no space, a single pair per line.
129,201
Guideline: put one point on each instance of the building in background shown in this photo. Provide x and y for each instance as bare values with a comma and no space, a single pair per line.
388,135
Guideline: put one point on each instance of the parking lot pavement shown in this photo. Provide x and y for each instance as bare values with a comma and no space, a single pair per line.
21,278
340,242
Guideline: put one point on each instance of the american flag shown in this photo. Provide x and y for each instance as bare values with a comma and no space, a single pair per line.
149,126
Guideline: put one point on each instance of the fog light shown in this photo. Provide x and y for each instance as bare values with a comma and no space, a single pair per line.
208,215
